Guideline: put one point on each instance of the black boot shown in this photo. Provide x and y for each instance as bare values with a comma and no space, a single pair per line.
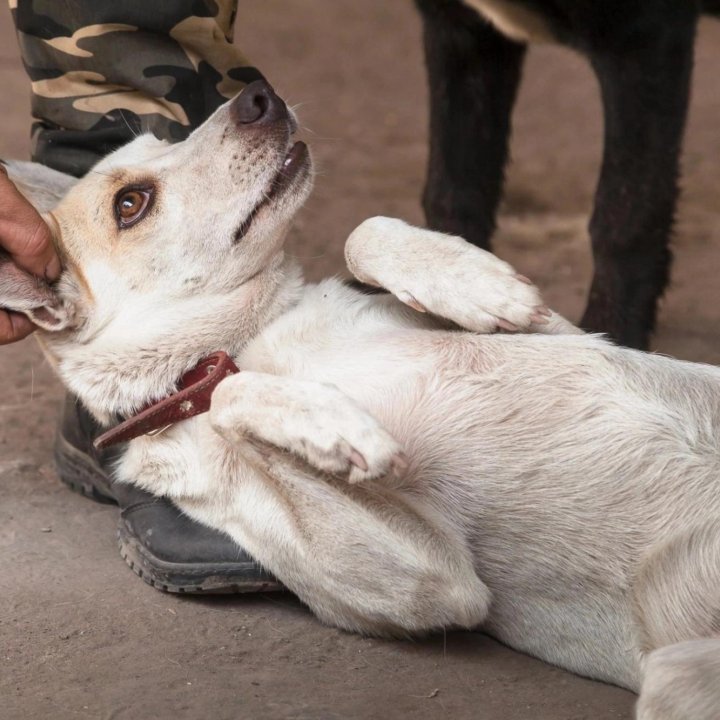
164,547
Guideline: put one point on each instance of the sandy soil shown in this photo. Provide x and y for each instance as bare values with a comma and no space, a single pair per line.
82,637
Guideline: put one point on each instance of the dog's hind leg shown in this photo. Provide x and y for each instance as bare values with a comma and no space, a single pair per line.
677,600
473,73
643,63
360,557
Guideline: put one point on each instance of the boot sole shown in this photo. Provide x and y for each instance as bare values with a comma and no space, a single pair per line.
84,476
187,578
81,473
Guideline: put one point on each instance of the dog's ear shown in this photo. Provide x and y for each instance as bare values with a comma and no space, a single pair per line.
20,291
24,293
41,185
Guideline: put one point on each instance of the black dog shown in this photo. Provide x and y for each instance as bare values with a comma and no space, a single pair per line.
642,53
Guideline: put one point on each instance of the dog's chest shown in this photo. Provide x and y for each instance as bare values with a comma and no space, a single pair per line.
189,461
369,346
514,19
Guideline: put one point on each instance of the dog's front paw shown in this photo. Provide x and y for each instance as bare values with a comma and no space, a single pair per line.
313,420
444,275
478,295
352,445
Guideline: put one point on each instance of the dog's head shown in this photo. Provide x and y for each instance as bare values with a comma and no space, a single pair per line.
173,251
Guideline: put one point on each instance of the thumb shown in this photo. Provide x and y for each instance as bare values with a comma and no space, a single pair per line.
24,234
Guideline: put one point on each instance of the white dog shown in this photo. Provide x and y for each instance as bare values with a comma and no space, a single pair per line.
399,473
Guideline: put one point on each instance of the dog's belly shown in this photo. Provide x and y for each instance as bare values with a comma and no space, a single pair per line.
583,461
557,553
560,593
589,634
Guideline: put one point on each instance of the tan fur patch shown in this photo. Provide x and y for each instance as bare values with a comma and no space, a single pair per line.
514,20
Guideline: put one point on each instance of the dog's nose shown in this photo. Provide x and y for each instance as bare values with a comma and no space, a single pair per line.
258,104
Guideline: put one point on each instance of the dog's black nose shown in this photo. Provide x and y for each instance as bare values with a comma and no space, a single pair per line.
258,104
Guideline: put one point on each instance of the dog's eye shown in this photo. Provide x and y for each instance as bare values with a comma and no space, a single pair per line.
131,204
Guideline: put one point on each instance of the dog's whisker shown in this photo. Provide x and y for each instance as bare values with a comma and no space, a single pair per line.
314,133
100,172
133,132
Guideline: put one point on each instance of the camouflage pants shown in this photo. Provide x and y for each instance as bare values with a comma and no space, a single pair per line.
104,70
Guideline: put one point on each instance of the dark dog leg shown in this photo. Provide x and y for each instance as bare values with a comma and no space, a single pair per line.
644,72
474,73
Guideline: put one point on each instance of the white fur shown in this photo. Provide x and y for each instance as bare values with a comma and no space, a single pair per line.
559,491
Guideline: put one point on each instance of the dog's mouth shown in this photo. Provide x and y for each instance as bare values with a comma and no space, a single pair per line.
295,161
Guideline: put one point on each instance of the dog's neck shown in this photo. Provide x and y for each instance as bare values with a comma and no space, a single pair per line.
116,376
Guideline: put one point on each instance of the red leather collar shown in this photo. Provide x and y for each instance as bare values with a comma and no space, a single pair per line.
192,398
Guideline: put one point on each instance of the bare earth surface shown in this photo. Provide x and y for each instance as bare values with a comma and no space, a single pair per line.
82,637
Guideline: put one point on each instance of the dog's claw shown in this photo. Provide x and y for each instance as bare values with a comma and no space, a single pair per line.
507,325
409,300
539,319
544,310
399,464
523,279
358,460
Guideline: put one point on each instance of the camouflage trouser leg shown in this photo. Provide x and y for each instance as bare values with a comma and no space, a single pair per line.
104,70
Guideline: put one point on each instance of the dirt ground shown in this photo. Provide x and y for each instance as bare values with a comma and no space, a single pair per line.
82,637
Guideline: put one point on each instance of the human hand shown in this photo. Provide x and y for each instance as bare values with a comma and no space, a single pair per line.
27,239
